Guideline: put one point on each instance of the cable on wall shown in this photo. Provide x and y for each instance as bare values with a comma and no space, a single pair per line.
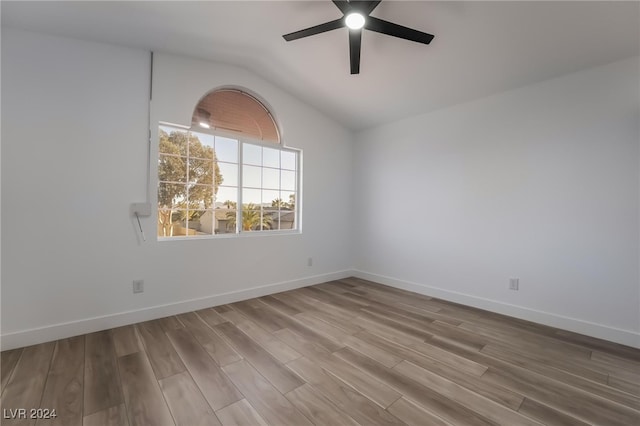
144,209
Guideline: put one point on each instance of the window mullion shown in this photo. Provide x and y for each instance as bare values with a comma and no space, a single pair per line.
214,190
261,222
280,190
186,220
240,186
298,202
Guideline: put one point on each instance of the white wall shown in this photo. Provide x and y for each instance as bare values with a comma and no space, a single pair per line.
540,183
74,142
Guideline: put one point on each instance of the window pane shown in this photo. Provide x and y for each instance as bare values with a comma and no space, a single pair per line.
172,169
201,145
168,222
166,129
271,199
271,157
270,178
171,222
226,149
266,222
173,141
165,223
200,222
227,197
271,220
179,222
200,171
251,196
200,197
288,160
288,180
252,154
252,218
225,221
287,219
170,194
251,176
229,173
288,199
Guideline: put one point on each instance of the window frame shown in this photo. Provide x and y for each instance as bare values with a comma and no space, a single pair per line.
241,139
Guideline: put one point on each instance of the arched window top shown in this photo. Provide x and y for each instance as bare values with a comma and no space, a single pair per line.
236,111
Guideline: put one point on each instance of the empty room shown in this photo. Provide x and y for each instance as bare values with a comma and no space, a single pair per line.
320,213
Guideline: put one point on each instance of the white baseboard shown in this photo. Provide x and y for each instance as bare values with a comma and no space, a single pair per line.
89,325
625,337
34,336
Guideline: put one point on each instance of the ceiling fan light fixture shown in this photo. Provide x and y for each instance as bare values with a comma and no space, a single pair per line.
354,21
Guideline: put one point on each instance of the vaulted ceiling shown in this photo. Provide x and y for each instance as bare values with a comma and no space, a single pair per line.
480,48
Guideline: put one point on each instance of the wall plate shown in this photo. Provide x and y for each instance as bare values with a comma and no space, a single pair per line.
143,209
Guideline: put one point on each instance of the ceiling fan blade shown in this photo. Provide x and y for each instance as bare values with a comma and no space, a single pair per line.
355,42
395,30
369,7
343,5
327,26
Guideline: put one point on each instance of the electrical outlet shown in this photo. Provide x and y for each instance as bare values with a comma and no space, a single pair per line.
514,283
138,286
310,261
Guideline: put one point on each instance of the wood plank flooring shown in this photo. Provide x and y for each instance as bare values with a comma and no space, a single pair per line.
348,352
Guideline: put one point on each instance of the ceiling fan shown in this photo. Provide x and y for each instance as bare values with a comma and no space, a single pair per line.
356,18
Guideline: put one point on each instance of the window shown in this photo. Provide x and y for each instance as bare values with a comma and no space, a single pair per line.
211,183
228,173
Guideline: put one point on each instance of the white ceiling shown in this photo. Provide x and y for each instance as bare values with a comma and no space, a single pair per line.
479,48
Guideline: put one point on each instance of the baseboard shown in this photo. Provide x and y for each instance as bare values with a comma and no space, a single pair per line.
89,325
63,330
625,337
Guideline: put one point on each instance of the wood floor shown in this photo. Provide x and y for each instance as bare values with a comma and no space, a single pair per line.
348,352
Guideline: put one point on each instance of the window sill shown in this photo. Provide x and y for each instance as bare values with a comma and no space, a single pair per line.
255,234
